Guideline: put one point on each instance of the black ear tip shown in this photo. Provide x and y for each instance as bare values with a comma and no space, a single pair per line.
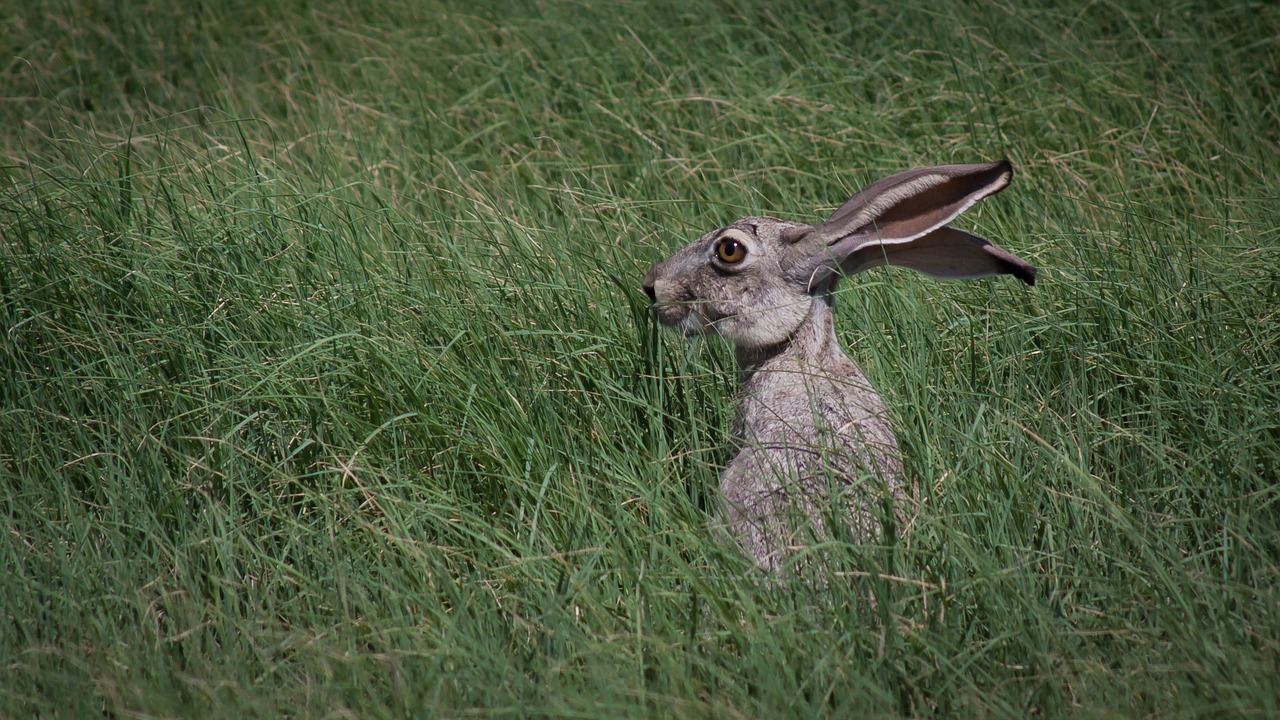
1014,265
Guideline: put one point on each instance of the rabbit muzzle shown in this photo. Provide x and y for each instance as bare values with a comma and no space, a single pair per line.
674,308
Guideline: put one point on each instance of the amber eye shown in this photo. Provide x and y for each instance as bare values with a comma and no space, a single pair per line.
730,251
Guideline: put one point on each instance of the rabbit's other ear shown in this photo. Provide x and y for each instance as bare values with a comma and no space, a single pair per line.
945,253
901,220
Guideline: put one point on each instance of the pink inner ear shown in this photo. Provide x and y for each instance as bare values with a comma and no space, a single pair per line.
907,205
920,213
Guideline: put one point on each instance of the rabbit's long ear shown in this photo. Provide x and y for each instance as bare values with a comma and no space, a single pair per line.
945,253
901,220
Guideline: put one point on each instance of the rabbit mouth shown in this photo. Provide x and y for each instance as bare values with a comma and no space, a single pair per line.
689,320
693,324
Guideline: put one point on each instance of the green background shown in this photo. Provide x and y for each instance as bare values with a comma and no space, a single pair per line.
327,387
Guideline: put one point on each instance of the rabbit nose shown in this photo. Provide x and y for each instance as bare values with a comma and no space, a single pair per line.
648,286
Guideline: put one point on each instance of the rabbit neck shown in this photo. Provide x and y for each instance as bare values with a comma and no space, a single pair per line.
812,345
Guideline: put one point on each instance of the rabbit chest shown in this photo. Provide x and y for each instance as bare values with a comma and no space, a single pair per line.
813,442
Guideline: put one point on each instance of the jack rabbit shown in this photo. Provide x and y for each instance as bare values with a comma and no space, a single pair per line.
814,442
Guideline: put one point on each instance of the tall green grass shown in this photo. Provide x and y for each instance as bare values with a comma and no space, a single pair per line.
328,388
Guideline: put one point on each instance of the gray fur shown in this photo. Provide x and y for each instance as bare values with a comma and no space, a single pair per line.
813,437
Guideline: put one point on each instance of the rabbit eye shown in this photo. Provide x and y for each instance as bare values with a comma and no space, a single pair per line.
730,251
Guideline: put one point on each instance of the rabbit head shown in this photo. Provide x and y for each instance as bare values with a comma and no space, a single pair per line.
753,282
746,282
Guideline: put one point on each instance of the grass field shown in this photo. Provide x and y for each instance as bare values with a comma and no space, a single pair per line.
328,389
